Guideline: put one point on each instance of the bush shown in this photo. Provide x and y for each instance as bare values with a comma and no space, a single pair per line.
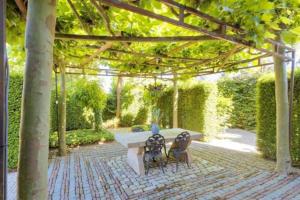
236,102
126,120
77,116
82,137
142,116
196,108
14,111
140,128
266,118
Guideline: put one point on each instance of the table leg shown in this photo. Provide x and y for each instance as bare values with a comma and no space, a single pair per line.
135,160
189,156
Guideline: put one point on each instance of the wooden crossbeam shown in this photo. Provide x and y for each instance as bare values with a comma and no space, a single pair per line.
198,13
218,35
150,55
65,36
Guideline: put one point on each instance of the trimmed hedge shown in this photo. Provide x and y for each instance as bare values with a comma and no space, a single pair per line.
141,116
126,120
266,118
77,115
240,96
196,108
82,137
14,111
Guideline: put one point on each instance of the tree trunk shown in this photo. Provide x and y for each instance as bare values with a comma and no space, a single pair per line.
62,114
283,164
34,127
98,119
119,90
175,103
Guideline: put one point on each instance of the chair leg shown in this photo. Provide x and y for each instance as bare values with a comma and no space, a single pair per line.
187,160
177,163
161,165
147,168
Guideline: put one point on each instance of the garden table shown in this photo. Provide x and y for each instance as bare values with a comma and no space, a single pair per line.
135,142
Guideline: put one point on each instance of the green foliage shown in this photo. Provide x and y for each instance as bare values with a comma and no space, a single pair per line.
142,116
236,102
82,137
84,102
91,95
196,108
126,120
140,128
266,118
14,112
127,98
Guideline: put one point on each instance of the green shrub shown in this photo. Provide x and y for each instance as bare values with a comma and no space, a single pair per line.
142,116
82,137
126,120
140,128
266,118
14,111
196,108
240,112
77,116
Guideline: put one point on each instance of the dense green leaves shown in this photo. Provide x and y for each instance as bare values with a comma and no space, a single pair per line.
196,108
236,102
82,137
266,118
14,112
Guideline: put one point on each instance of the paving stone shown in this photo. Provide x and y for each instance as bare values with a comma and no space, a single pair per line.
101,172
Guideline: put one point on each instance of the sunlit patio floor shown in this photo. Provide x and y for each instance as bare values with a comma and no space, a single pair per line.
101,172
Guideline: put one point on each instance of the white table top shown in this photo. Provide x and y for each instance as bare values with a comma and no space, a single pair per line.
138,139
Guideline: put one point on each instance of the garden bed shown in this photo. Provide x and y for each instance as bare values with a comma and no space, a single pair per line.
82,137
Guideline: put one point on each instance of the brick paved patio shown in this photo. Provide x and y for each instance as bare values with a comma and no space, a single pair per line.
101,172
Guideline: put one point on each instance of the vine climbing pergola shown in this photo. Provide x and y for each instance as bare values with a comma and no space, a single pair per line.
123,53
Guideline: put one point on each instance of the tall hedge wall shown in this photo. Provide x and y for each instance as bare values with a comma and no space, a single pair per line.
76,114
266,118
241,94
196,108
14,111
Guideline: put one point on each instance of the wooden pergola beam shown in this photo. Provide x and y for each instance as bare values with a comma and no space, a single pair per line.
178,23
198,13
65,36
154,56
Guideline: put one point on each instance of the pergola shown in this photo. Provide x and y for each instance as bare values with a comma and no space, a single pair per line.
166,66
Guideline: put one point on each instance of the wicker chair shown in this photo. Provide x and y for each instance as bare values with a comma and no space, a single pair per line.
178,149
153,151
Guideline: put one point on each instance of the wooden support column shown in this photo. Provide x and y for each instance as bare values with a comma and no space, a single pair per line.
35,114
119,103
283,164
3,103
175,102
62,114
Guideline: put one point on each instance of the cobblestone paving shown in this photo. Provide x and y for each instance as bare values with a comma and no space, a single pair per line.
101,172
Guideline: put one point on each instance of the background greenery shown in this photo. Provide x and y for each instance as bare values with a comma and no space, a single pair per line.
236,102
266,118
196,108
14,112
80,137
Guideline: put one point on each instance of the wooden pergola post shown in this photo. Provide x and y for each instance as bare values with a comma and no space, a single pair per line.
175,102
283,164
3,103
62,114
34,128
119,91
